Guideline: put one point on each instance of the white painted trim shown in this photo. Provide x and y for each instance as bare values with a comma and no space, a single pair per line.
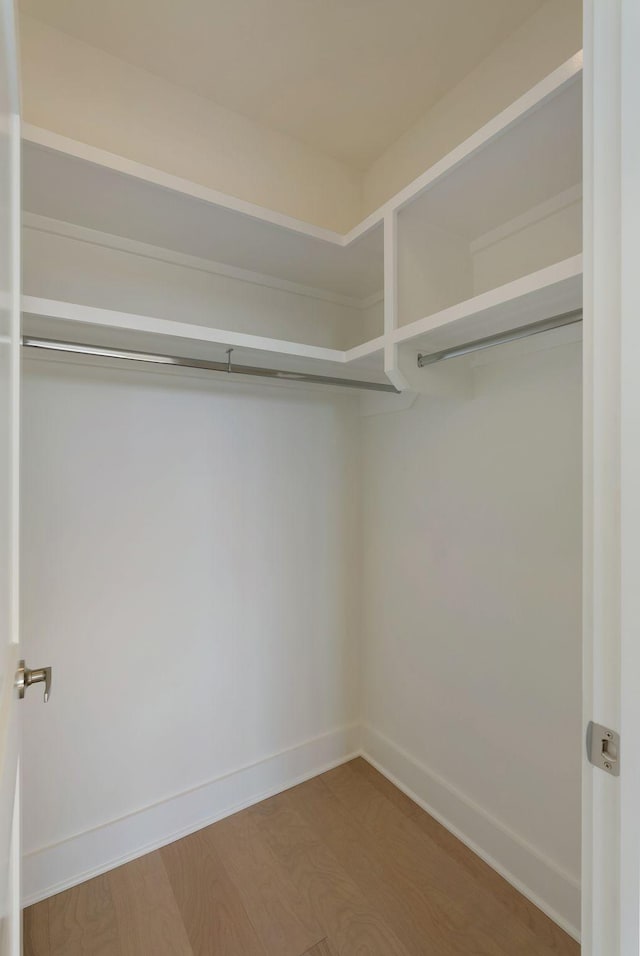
568,197
391,359
541,880
55,868
629,478
611,468
601,471
15,893
16,388
95,237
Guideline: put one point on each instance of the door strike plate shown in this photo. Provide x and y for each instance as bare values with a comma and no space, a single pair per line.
603,748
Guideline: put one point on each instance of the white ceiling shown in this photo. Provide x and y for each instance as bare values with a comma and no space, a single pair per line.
346,77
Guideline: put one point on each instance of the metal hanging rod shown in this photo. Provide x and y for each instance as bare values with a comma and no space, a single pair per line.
131,355
534,328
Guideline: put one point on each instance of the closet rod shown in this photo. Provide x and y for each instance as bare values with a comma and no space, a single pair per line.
500,338
77,348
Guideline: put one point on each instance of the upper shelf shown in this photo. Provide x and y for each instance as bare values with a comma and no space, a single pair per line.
471,150
508,210
533,160
60,182
73,182
521,159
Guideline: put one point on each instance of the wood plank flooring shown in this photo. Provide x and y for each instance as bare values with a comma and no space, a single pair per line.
343,865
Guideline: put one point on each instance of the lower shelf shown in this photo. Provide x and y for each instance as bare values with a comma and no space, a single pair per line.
51,319
540,295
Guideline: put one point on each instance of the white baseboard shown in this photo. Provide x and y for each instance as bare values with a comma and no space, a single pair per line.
55,868
549,887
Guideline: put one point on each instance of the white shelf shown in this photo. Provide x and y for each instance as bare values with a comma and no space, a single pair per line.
521,118
75,183
540,295
522,158
53,319
68,181
546,293
531,161
510,209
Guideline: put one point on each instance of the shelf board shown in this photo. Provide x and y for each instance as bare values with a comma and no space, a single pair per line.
93,326
531,162
76,183
57,143
474,189
540,295
64,181
527,105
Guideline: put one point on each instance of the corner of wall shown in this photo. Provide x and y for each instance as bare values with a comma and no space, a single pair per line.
55,868
546,885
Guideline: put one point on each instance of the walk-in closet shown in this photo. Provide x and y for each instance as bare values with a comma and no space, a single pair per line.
301,471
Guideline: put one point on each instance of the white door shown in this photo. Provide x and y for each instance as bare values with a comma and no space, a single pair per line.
10,936
611,805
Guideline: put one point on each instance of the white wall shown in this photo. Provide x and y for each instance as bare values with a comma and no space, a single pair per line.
434,267
548,38
472,641
536,241
79,91
190,571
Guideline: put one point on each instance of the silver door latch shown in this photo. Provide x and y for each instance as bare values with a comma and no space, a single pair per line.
603,748
25,677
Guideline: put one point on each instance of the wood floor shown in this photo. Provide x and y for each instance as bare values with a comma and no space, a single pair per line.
343,865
